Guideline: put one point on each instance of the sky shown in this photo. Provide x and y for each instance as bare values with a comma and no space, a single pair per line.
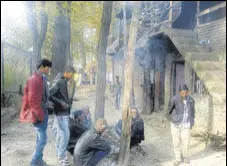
14,9
13,18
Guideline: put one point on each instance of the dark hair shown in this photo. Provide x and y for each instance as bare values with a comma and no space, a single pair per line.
70,69
183,87
45,63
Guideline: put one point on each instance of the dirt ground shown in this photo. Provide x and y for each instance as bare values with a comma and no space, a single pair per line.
18,140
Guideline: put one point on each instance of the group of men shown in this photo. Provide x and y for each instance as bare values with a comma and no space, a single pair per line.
72,129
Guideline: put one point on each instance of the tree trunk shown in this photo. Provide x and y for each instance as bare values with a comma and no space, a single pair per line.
60,42
38,38
113,69
69,57
126,119
83,54
101,59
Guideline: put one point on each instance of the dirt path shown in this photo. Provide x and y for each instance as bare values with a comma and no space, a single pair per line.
19,141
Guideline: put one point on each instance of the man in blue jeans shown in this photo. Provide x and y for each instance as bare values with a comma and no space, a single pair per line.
35,108
59,95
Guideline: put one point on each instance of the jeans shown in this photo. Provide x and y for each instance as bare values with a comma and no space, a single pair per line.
55,133
97,157
41,140
62,134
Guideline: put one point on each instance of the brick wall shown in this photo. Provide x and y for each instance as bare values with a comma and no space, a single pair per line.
215,32
203,115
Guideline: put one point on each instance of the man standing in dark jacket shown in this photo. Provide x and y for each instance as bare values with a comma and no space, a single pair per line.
181,113
59,95
90,148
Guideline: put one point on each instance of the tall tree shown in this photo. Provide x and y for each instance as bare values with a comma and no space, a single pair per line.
68,51
101,59
126,117
38,37
61,39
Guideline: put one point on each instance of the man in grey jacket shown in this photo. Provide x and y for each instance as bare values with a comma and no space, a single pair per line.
181,113
91,148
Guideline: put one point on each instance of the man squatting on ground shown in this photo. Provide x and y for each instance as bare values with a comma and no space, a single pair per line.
59,95
181,113
35,108
90,148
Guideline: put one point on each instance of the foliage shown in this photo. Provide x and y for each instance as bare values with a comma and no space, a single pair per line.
84,15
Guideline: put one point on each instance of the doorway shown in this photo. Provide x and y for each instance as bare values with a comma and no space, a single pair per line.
179,77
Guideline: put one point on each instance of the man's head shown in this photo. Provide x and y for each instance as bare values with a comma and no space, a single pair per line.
134,113
44,66
69,72
100,125
183,89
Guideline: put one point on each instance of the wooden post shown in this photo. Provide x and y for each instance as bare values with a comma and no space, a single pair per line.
170,13
2,76
198,6
2,69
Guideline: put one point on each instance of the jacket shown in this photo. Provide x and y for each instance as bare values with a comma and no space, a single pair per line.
31,110
86,147
76,129
175,111
137,130
59,95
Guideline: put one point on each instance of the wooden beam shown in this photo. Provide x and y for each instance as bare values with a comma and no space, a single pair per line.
209,10
2,70
198,9
171,12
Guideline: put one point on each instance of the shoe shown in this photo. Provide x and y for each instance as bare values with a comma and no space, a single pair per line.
64,162
176,163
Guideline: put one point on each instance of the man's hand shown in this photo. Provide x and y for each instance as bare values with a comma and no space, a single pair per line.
64,105
50,105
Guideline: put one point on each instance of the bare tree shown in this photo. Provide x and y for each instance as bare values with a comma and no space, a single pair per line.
38,37
61,40
126,118
101,59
